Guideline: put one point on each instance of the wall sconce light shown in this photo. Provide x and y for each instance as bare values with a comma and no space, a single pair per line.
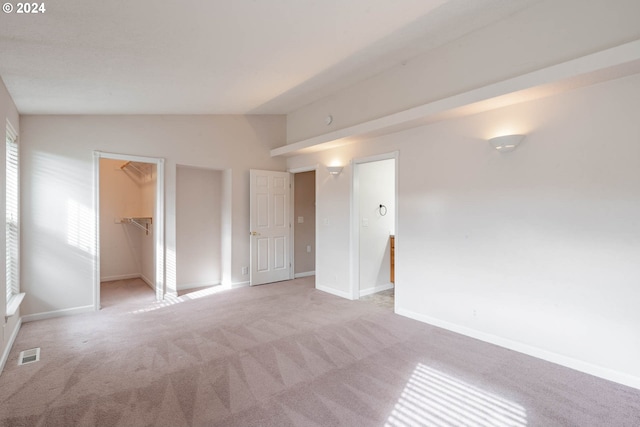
506,143
334,170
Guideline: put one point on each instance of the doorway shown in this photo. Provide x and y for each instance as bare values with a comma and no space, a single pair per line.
374,223
274,219
129,208
304,223
199,228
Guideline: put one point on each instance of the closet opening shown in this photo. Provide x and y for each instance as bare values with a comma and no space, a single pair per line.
201,228
129,206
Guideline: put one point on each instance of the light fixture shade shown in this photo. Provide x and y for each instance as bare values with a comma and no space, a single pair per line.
506,143
334,170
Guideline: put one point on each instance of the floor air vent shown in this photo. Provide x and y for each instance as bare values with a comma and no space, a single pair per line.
29,356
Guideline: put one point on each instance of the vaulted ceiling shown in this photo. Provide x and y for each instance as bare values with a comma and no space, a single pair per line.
218,57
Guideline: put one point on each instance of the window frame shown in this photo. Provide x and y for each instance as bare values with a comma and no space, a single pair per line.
12,221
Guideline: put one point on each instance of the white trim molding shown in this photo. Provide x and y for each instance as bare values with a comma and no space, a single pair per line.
195,285
336,292
240,284
376,289
14,304
10,342
148,281
304,169
58,313
305,274
158,221
119,277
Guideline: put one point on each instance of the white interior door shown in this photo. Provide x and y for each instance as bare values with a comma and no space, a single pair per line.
270,226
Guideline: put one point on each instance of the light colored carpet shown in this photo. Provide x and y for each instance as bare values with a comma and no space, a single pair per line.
284,354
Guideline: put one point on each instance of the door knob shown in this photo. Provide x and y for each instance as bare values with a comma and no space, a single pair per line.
254,233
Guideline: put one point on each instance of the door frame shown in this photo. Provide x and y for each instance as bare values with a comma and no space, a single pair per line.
312,168
158,221
355,215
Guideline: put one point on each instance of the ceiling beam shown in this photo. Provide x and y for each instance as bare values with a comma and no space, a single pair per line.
605,65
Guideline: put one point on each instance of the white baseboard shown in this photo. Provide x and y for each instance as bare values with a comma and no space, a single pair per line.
335,292
12,340
240,284
559,359
379,288
119,277
233,285
186,286
305,274
146,280
57,313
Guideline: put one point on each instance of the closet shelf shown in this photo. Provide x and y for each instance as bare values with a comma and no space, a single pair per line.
143,222
140,172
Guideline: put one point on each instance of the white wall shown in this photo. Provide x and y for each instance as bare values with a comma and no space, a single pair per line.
198,227
548,32
332,212
536,249
10,326
58,170
376,186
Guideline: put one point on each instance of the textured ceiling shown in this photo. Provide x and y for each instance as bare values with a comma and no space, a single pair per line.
217,57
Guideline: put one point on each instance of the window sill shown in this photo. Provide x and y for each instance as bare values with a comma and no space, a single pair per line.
13,304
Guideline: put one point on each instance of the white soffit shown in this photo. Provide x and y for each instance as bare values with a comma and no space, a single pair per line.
609,64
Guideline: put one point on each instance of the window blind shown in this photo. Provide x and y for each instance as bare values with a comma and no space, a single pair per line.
12,216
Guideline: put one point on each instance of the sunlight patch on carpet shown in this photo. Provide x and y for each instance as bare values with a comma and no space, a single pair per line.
437,399
170,300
